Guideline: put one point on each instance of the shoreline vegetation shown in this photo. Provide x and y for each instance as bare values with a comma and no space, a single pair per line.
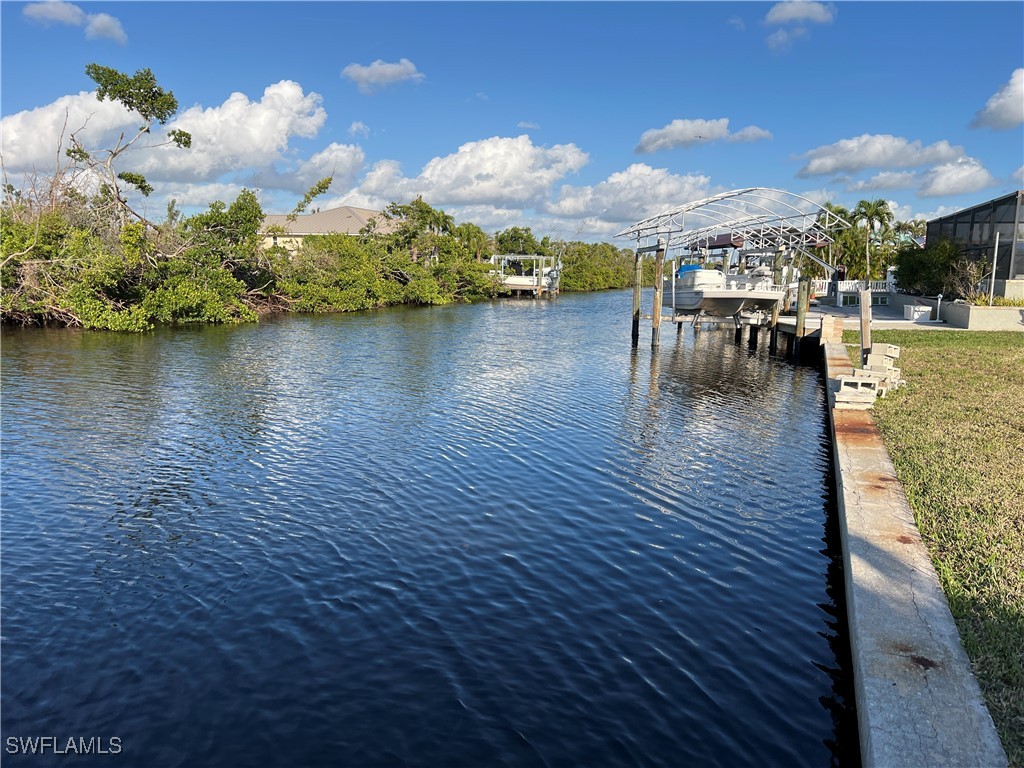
66,263
74,251
955,434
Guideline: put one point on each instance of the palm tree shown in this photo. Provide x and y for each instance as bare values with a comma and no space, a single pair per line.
474,239
872,213
440,223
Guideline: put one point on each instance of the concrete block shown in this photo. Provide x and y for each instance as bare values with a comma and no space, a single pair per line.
889,350
883,381
857,383
878,362
847,401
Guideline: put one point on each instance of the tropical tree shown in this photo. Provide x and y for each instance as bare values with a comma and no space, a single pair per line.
874,213
475,240
517,240
904,231
834,228
440,223
140,94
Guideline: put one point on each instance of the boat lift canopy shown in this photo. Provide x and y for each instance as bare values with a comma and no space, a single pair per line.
755,218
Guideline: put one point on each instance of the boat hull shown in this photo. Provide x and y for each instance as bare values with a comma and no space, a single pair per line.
718,302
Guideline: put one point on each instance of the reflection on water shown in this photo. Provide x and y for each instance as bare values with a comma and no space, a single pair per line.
471,535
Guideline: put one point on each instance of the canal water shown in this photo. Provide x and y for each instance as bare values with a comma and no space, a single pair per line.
485,535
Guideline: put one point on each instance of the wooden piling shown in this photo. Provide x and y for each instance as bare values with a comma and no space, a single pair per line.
803,304
865,325
638,274
659,281
773,337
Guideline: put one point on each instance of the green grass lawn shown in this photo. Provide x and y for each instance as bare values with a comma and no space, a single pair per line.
956,436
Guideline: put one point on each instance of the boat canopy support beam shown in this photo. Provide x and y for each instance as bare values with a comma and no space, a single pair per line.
754,217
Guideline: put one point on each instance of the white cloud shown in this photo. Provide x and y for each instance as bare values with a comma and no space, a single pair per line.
97,25
1004,109
526,125
886,180
960,177
783,39
750,133
1018,176
102,25
629,195
901,212
239,133
359,128
380,74
230,138
685,133
875,151
343,162
510,172
737,23
800,11
55,11
201,195
32,140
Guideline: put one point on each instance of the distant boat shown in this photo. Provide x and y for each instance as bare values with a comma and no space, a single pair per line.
695,291
520,273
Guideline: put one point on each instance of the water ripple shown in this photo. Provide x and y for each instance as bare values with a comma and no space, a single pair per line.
481,535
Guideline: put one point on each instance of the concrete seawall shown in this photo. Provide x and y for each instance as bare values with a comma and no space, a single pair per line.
918,702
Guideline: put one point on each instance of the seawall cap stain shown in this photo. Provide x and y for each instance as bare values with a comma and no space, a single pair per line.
918,703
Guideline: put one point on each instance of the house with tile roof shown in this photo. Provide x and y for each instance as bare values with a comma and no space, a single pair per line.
279,230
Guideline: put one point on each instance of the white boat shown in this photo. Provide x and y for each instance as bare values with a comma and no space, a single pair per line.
535,274
695,291
529,282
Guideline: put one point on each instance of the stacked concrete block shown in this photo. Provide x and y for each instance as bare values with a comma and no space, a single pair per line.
855,392
878,376
881,362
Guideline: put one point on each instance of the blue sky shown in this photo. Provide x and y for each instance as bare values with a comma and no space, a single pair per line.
576,119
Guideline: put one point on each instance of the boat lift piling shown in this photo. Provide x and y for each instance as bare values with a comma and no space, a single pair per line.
803,304
638,279
659,287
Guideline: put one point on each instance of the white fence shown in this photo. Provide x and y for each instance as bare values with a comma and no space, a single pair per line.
820,287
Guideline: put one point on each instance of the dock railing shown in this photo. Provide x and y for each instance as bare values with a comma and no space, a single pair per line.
821,287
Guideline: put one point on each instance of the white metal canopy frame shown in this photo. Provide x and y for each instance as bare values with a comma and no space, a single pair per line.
759,218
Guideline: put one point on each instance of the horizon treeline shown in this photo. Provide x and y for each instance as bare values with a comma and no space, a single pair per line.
73,260
74,252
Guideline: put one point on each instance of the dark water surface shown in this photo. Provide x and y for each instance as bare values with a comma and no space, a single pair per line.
466,536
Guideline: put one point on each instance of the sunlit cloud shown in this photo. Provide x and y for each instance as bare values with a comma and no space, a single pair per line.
886,180
500,171
800,11
875,151
629,195
1004,109
97,25
685,133
959,177
379,74
791,16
